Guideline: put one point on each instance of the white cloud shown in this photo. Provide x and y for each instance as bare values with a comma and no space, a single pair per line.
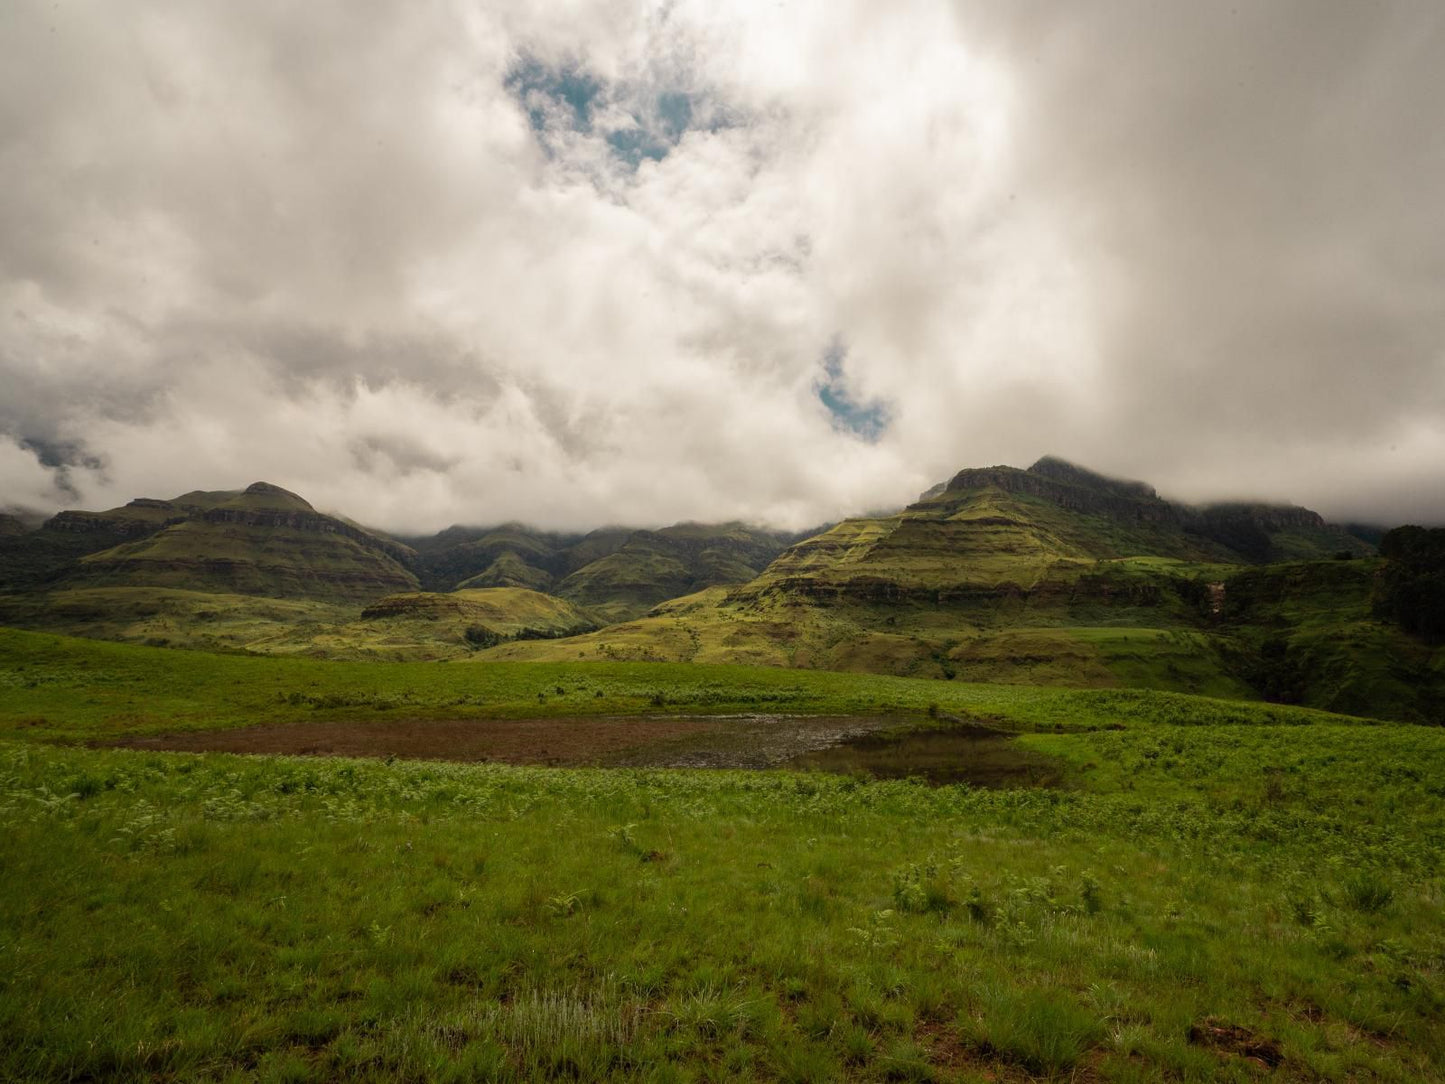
466,262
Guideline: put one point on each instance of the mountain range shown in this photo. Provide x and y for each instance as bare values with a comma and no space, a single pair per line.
1051,574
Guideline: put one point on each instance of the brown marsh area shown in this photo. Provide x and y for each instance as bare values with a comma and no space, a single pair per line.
884,747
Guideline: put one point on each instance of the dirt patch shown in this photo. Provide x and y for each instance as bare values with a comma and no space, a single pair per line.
511,741
738,741
883,747
1234,1039
957,752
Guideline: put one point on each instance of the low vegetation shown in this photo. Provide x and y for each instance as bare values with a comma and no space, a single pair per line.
1038,823
1211,890
1211,903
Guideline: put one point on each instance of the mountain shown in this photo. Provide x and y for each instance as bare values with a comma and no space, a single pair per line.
29,558
262,541
182,571
1050,574
1001,530
616,572
653,566
511,554
1058,575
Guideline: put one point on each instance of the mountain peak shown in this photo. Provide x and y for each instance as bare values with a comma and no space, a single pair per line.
264,495
1061,470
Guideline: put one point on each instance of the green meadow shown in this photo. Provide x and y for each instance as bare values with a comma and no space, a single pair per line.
1217,890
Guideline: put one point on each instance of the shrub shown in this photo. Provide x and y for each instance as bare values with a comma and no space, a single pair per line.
1369,893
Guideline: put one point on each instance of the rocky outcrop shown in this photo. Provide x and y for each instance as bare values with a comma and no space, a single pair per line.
1268,517
11,525
313,522
102,523
1073,488
870,590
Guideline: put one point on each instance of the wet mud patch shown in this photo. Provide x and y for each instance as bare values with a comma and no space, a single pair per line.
882,747
957,752
509,741
638,741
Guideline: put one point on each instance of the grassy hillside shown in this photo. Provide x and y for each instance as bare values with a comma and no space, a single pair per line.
58,687
511,555
652,566
1308,633
415,625
1217,891
1051,575
509,570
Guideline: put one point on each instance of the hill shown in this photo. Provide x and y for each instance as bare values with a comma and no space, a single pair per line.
1056,575
618,572
192,570
263,541
653,566
1049,575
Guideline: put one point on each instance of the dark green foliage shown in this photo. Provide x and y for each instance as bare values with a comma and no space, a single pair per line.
1369,892
1412,584
481,636
1239,534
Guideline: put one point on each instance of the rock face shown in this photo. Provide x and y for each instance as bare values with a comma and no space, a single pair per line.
1071,487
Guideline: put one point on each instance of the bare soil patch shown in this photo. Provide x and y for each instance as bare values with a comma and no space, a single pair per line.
1229,1038
883,747
511,741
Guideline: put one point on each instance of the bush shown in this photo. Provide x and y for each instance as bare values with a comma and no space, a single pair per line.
1368,892
480,636
1411,590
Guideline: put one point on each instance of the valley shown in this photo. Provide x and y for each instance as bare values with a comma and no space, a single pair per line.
1041,777
1050,575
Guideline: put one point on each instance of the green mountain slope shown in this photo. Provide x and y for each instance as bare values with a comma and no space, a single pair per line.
1055,575
616,572
529,558
264,541
1050,575
652,566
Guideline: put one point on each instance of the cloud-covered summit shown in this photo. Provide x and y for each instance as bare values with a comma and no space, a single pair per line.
602,262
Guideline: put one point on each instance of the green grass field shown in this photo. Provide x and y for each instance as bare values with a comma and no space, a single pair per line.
59,688
1220,890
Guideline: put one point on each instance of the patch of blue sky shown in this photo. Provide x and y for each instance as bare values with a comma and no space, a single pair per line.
567,89
865,420
574,98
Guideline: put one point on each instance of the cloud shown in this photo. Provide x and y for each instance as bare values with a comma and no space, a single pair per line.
602,262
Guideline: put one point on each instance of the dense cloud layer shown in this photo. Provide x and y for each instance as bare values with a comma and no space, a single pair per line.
598,262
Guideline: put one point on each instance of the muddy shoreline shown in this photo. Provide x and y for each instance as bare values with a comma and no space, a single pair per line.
732,741
873,746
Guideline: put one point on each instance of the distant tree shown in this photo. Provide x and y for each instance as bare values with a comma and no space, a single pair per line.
1411,588
480,636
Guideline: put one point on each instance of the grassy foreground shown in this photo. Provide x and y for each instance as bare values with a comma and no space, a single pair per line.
1224,891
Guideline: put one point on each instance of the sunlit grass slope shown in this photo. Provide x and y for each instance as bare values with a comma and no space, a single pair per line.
1231,899
407,626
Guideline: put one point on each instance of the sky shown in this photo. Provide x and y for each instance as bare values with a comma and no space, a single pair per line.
584,263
